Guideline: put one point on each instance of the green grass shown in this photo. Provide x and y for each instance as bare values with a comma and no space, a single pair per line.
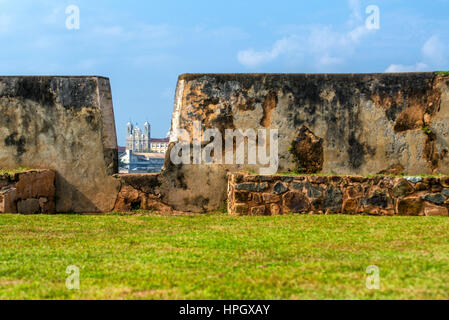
441,73
223,257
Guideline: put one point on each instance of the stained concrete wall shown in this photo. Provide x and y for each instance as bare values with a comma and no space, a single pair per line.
65,124
358,124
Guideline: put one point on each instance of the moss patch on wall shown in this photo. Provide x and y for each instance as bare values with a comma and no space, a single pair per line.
12,172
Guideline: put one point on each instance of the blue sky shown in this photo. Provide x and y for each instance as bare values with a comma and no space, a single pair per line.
142,46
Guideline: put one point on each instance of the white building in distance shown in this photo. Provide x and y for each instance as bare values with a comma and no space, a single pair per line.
139,141
136,140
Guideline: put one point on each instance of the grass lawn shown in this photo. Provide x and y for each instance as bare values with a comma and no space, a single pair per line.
223,257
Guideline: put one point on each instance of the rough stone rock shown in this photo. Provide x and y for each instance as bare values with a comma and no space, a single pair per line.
258,211
271,198
402,188
36,184
241,209
266,179
378,199
297,186
387,212
357,179
433,210
256,198
8,201
307,150
275,209
280,188
445,192
434,184
32,185
128,199
319,179
254,187
386,183
421,186
355,191
314,191
333,200
444,181
142,191
410,207
413,179
66,124
350,206
317,204
241,196
47,205
436,198
29,206
145,182
296,202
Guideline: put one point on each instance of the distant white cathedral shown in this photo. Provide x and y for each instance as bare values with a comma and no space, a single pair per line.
136,140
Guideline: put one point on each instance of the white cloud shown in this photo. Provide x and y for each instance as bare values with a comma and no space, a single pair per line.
321,44
356,15
433,58
252,58
433,50
329,61
420,66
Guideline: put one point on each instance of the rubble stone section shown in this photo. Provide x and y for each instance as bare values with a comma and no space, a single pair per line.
140,192
28,192
377,195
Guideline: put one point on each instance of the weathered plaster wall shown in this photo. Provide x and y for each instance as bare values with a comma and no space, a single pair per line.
336,123
65,124
375,195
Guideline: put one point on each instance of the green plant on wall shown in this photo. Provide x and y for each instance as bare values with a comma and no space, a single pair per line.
12,172
427,130
299,171
441,73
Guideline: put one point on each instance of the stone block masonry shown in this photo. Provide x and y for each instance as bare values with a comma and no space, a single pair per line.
378,195
140,191
344,124
65,124
28,192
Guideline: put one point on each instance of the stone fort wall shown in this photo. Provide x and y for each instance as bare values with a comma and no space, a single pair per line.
65,124
345,124
335,124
